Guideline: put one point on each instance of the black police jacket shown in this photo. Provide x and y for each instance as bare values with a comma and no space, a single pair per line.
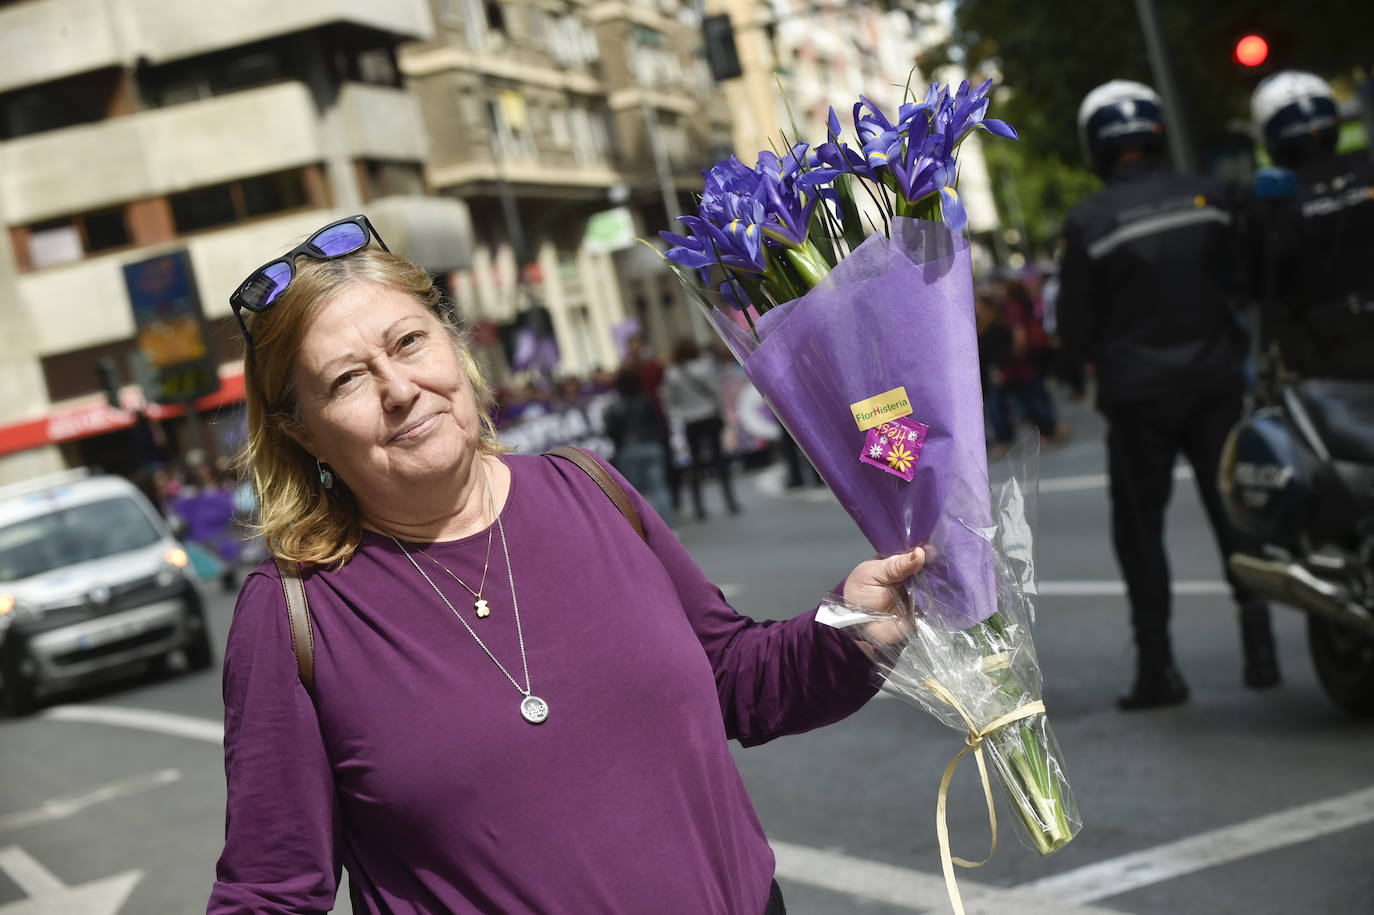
1311,264
1147,284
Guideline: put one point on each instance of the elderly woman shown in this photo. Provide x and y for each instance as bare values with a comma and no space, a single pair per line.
520,705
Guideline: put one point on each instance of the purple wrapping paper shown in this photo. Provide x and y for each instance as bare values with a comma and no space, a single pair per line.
895,312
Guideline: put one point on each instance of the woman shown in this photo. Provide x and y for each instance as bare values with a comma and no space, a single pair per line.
691,397
451,588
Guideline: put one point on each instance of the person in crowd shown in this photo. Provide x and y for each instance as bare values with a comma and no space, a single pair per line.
519,704
1022,369
1310,264
1146,291
691,396
994,348
651,371
640,434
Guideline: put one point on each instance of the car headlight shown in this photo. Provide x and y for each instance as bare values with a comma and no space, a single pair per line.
12,610
176,569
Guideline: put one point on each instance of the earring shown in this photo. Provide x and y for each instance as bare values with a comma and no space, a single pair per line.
326,477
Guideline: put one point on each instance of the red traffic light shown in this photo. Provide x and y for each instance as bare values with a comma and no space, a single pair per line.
1251,51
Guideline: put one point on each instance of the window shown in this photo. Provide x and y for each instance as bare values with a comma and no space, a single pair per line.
216,74
56,243
558,128
61,103
274,193
390,179
77,534
72,238
223,204
107,229
203,208
496,19
377,67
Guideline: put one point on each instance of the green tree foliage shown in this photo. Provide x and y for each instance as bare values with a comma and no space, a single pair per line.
1051,53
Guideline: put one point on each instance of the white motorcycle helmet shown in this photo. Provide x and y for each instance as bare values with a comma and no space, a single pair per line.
1294,115
1119,115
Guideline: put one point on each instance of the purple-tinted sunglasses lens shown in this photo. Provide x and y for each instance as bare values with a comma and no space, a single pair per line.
341,239
262,290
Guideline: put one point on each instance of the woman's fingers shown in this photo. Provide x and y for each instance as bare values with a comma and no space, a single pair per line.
897,569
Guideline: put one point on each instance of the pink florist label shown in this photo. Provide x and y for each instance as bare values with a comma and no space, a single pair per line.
895,446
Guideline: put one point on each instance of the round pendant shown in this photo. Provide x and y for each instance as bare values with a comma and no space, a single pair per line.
534,710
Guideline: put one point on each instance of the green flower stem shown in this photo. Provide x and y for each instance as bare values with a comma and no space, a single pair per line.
1024,760
809,263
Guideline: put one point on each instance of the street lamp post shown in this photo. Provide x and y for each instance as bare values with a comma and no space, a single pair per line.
1179,146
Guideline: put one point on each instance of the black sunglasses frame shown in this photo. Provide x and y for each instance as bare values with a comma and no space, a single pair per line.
306,248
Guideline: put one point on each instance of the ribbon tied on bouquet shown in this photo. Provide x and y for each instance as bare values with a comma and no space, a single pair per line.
974,743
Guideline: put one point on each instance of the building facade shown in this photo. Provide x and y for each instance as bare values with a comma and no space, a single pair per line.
218,132
553,117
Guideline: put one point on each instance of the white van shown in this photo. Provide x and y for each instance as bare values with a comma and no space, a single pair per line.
91,579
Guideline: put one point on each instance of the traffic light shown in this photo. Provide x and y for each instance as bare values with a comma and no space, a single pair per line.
721,54
1250,50
108,373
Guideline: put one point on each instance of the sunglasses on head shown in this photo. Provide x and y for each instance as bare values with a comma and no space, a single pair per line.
260,291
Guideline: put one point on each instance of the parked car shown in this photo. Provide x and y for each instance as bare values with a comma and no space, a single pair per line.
91,581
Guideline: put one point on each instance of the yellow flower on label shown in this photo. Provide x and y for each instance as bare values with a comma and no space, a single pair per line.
900,458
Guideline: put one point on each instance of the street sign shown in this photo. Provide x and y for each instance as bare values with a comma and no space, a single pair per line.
610,230
170,328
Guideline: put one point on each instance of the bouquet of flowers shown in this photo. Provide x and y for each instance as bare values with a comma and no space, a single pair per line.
840,279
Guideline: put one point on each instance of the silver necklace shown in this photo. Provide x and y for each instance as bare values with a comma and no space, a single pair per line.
532,708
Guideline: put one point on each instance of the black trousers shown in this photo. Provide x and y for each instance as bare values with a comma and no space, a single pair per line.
1143,442
703,435
775,904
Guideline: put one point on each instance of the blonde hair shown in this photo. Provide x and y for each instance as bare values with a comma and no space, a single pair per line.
298,518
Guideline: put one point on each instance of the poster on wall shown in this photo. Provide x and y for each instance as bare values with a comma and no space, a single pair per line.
170,328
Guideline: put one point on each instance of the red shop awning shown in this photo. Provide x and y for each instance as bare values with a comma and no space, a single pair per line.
66,424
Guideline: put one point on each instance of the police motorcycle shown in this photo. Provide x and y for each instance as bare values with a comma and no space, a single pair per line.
1297,476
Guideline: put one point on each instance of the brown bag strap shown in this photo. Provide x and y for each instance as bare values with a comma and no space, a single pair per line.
604,480
298,610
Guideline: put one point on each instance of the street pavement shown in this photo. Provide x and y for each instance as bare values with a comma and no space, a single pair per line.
111,799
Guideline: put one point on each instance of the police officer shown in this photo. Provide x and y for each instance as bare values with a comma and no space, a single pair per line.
1314,253
1147,280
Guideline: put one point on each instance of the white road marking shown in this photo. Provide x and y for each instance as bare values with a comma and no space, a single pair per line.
1209,849
60,808
1097,480
1107,588
141,719
50,896
908,889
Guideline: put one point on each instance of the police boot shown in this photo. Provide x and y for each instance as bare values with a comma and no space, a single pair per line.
1157,681
1257,638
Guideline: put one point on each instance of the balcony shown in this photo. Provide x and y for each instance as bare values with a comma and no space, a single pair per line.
41,42
382,123
46,40
172,30
158,152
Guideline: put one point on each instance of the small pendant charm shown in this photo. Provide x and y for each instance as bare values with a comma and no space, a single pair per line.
534,710
483,611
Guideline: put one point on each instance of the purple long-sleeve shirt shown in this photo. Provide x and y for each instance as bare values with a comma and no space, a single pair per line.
417,772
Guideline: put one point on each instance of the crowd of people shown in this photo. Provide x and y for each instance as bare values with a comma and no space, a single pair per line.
1020,354
213,508
667,424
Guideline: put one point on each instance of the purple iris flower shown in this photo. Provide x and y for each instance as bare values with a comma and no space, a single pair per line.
728,227
966,113
787,203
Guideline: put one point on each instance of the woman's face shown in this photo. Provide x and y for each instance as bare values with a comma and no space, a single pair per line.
383,392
